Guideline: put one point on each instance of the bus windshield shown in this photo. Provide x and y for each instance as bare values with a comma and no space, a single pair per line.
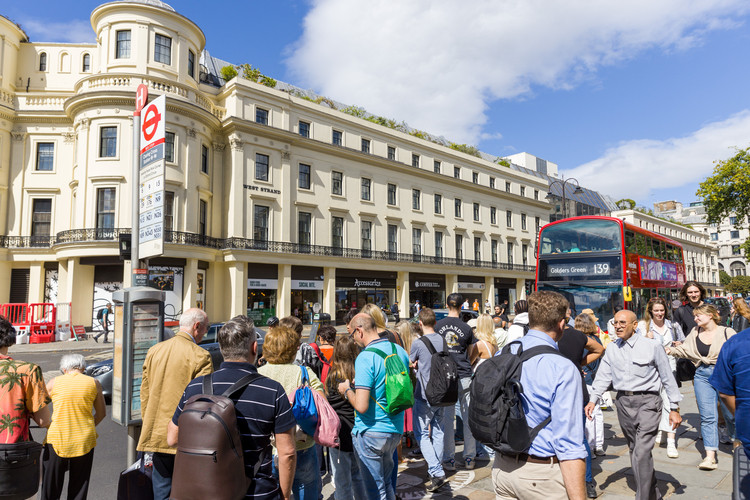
600,299
582,235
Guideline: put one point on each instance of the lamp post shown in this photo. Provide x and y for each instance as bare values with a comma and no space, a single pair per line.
563,184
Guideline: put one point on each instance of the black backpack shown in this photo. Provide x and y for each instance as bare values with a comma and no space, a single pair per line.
442,388
100,314
524,326
209,462
496,416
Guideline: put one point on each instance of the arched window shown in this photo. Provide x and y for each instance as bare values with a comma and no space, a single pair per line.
737,269
86,63
43,61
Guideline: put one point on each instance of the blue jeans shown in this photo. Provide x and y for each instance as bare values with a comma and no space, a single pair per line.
426,417
589,475
161,476
470,444
307,483
347,478
375,454
707,397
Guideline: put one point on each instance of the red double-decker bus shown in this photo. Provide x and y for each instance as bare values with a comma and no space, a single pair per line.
600,262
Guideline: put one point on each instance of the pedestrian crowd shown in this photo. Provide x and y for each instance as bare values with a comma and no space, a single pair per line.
526,395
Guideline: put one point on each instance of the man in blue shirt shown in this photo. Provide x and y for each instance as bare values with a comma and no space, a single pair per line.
376,433
554,466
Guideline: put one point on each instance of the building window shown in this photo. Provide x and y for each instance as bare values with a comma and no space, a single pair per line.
734,234
415,160
416,241
108,142
366,235
477,248
438,204
392,238
304,129
457,207
536,194
43,61
338,137
86,67
735,249
476,212
492,183
337,232
416,199
523,222
260,223
304,228
714,236
493,251
507,187
204,158
122,46
525,254
163,49
261,167
304,176
439,244
169,146
509,218
436,166
391,153
168,210
191,63
459,247
261,116
537,224
510,252
45,155
475,177
41,219
523,191
105,208
337,183
392,194
365,145
366,184
457,172
733,220
493,215
202,218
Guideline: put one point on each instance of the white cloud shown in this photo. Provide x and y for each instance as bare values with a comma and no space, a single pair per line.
634,169
76,31
438,63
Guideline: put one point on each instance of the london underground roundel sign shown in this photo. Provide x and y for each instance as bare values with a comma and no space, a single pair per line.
152,126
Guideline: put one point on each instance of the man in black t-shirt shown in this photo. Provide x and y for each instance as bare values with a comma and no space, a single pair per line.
459,337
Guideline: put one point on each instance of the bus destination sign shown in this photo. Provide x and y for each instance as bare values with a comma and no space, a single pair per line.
563,269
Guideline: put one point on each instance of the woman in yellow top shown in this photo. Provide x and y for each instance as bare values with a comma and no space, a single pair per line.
71,437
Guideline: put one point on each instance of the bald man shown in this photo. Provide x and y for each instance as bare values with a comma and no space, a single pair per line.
637,367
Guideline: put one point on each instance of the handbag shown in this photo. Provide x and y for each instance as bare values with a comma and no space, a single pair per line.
135,481
685,370
329,424
303,405
19,469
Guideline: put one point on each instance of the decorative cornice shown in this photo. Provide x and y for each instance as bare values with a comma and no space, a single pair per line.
236,143
219,146
17,135
69,136
191,132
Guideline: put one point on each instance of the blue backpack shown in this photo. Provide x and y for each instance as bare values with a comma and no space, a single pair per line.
303,407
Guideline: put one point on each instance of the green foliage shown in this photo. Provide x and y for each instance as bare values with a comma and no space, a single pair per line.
727,191
418,134
503,162
739,284
724,278
464,148
625,204
250,73
355,111
228,72
267,81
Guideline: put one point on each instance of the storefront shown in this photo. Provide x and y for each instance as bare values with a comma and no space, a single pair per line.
355,288
307,290
262,288
472,288
505,290
428,289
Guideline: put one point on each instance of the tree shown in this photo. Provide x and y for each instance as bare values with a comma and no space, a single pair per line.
724,278
626,204
228,72
739,284
727,191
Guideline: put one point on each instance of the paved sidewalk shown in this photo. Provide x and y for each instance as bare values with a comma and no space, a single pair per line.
67,345
677,478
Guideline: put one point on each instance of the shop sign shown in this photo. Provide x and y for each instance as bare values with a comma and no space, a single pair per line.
307,285
262,284
358,283
427,284
344,282
471,286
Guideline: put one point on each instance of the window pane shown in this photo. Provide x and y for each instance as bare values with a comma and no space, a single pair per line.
168,210
41,217
163,49
391,194
43,61
438,204
191,63
391,153
304,129
365,145
261,116
108,142
366,189
436,167
415,160
204,158
45,155
122,49
169,146
416,199
86,63
304,176
105,217
304,228
260,223
337,138
261,167
337,183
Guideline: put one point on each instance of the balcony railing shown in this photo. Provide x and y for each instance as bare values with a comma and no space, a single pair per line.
194,239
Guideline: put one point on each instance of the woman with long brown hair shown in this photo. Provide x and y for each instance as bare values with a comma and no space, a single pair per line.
347,479
741,317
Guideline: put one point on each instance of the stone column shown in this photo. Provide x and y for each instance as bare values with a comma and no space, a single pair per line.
329,291
236,206
36,282
5,270
190,283
238,288
402,285
284,292
489,292
76,285
451,284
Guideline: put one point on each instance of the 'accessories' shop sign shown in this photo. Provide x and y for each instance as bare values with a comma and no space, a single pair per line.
346,282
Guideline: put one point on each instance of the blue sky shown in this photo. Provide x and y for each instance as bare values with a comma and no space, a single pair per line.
636,99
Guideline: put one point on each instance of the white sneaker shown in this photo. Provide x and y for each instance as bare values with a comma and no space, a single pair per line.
658,439
672,450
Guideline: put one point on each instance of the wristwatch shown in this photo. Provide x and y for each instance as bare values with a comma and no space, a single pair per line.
675,408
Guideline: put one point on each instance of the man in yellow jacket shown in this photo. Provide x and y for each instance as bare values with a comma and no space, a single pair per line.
169,367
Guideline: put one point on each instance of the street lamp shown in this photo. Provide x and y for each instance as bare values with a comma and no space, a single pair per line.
563,184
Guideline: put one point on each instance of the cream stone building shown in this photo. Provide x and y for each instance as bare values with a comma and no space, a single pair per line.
273,203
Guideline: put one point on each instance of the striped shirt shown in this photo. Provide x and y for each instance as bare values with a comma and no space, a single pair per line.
262,410
72,432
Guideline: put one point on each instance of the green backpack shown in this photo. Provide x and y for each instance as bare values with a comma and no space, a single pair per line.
399,392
